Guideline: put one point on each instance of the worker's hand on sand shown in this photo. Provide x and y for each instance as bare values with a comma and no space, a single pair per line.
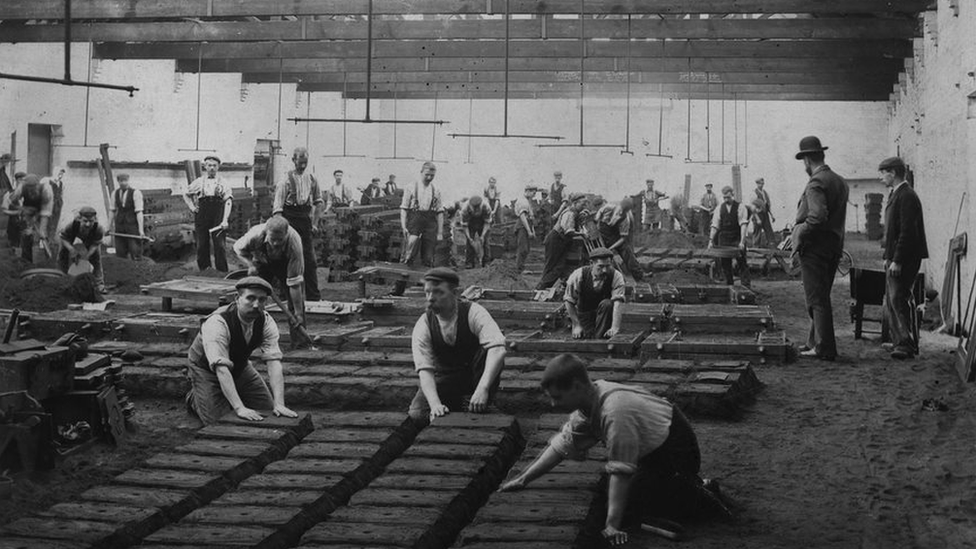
479,402
614,536
248,414
438,411
282,410
513,485
611,332
577,331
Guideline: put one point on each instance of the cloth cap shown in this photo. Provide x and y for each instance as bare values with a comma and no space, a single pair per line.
708,185
5,157
213,157
87,211
557,173
442,274
31,179
600,253
122,177
573,197
18,175
253,283
889,163
810,144
475,201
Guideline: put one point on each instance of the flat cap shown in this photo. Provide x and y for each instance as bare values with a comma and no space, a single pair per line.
708,184
600,253
889,163
475,201
18,175
87,211
573,197
213,157
254,283
442,274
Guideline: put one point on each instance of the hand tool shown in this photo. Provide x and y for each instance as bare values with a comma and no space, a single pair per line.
300,335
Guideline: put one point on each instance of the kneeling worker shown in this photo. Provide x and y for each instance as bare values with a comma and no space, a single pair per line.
595,297
273,251
653,458
458,350
221,375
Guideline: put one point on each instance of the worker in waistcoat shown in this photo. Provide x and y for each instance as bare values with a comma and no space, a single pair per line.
210,200
127,219
299,200
729,224
594,297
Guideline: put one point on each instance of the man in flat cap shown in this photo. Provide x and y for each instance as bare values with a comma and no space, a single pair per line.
372,192
210,199
708,203
494,199
273,251
422,217
559,241
82,239
299,200
524,227
476,218
458,351
652,208
764,214
556,192
818,240
595,297
729,224
221,375
904,249
34,202
616,225
127,218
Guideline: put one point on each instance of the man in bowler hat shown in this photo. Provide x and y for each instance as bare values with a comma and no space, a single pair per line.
818,240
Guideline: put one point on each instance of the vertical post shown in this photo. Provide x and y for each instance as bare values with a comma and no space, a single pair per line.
67,40
369,53
505,126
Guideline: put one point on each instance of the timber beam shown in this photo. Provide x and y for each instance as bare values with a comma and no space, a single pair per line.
812,95
178,9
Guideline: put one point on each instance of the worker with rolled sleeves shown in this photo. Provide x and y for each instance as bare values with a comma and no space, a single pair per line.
422,217
34,203
524,227
653,457
729,225
458,351
127,219
210,200
559,241
298,199
82,239
222,377
616,225
594,297
273,251
708,203
477,219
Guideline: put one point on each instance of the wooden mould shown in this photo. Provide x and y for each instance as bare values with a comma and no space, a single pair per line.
623,344
192,288
669,317
763,347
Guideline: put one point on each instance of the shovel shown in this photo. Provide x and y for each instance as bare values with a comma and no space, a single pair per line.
299,335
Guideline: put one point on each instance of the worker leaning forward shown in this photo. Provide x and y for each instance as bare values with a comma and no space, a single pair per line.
595,297
82,239
616,225
458,351
559,241
221,375
273,251
33,202
299,200
210,200
653,458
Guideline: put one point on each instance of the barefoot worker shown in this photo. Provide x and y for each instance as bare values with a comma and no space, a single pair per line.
653,457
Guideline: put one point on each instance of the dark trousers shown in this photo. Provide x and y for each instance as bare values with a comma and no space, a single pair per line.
276,274
128,247
817,267
455,388
765,229
522,247
557,247
899,307
300,219
424,225
630,266
29,230
208,402
596,323
209,215
729,239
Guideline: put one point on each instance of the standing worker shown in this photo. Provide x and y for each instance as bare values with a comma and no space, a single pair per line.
494,198
764,214
422,217
458,351
904,249
390,187
708,204
652,210
210,200
524,227
371,192
616,227
84,228
818,240
299,200
559,241
594,297
556,191
222,378
273,251
56,181
729,225
339,195
127,219
5,185
476,217
35,202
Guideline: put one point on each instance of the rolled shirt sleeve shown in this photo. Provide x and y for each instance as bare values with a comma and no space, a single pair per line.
623,443
421,347
137,201
571,294
270,349
316,191
216,341
575,438
567,221
484,327
743,214
407,201
279,195
244,246
195,188
296,261
619,289
47,198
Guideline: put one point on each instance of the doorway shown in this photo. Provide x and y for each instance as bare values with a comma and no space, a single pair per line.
39,159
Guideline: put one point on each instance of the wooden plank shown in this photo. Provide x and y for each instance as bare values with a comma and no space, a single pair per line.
12,542
190,462
58,528
188,534
318,450
240,432
136,496
518,533
272,498
385,515
301,481
364,534
433,466
203,447
446,435
451,451
365,419
104,512
164,478
90,363
321,467
250,515
545,511
403,497
361,436
418,482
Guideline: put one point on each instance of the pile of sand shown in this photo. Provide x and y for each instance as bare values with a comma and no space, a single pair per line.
500,274
681,276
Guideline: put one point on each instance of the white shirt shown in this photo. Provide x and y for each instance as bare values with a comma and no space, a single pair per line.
479,321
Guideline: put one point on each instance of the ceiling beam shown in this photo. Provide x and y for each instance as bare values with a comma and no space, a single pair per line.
843,63
637,90
390,49
773,96
398,78
850,28
177,9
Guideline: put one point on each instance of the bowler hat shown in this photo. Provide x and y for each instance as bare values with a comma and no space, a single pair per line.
810,144
442,274
889,163
254,283
600,253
